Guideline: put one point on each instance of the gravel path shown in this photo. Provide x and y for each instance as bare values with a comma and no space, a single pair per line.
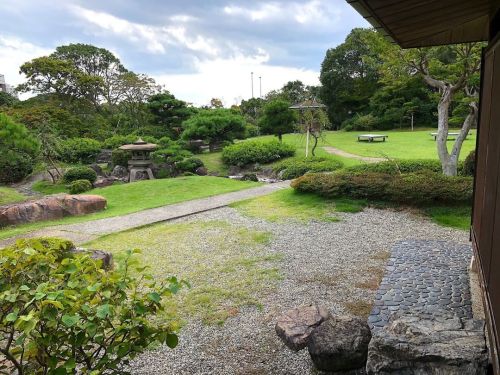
339,152
336,264
84,232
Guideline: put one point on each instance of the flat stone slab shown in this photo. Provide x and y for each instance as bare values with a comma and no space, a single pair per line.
425,278
296,325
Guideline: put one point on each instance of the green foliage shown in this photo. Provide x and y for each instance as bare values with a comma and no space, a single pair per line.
277,118
79,150
251,131
296,167
169,113
80,173
469,165
118,140
451,216
411,188
214,126
360,122
80,186
120,157
7,100
65,312
249,152
398,166
14,166
171,154
9,195
189,165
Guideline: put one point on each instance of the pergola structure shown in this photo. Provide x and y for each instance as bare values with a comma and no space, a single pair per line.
424,23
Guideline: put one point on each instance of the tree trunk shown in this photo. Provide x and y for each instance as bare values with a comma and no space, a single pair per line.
442,136
315,143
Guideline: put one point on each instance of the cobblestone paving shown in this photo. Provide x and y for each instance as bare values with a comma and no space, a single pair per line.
425,278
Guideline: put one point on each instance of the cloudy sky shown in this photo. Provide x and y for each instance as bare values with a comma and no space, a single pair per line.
198,49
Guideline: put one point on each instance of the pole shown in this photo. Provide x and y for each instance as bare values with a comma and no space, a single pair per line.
260,87
412,121
307,142
251,77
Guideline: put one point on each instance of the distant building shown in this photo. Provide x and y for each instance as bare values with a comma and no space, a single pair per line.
4,87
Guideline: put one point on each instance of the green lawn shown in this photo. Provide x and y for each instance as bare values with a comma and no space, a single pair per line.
127,198
9,195
47,188
213,162
452,216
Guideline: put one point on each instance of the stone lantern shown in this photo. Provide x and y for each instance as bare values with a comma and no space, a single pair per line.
140,164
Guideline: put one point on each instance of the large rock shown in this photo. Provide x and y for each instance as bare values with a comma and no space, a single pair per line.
105,181
340,344
296,325
119,172
416,345
50,208
105,257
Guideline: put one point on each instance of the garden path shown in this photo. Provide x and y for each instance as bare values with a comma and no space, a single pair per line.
338,152
83,232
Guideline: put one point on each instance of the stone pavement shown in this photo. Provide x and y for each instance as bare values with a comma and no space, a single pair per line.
424,278
83,232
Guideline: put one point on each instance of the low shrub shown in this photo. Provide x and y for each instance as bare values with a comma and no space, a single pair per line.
14,166
469,165
120,157
296,167
251,131
244,153
79,150
189,165
118,140
80,186
398,166
170,155
360,122
80,173
412,188
68,314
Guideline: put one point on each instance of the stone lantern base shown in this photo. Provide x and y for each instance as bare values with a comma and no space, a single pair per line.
138,173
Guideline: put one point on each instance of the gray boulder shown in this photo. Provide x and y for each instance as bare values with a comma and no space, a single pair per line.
296,325
340,344
416,345
201,171
97,169
119,172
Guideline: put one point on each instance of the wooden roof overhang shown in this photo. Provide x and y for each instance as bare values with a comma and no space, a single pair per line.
424,23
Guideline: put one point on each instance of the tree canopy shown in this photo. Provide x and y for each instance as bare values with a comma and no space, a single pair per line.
277,118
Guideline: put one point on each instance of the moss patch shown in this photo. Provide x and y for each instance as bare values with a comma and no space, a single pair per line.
228,267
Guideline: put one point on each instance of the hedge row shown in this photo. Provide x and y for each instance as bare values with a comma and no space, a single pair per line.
249,152
413,188
296,167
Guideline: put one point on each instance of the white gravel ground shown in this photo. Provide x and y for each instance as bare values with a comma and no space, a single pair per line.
323,262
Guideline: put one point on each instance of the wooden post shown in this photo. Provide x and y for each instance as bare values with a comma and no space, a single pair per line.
307,142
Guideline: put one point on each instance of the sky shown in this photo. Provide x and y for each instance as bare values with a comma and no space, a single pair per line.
196,49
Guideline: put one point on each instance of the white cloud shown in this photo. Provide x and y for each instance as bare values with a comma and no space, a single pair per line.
155,39
265,11
229,79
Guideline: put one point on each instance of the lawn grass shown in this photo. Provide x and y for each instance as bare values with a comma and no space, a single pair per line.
127,198
227,266
47,188
451,216
290,204
9,195
213,162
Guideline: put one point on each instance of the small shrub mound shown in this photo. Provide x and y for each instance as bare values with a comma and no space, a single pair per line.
80,186
412,188
68,315
296,167
398,166
14,167
80,173
469,165
244,153
79,150
189,165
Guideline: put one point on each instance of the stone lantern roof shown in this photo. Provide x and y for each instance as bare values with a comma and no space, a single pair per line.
139,145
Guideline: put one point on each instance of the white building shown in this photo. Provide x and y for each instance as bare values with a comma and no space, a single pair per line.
4,87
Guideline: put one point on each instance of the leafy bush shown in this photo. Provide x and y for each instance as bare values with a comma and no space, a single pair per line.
189,165
411,188
118,140
296,167
249,152
251,131
120,157
80,173
80,186
79,150
170,155
360,122
65,312
469,165
14,166
398,166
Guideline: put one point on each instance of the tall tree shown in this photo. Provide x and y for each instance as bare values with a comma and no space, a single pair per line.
169,112
277,118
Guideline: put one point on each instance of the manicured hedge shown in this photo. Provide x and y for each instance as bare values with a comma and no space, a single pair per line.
250,152
412,188
189,165
398,166
80,186
80,173
296,167
79,150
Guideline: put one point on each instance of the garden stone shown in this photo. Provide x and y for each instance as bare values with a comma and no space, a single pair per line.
97,169
436,345
50,208
234,170
201,171
296,325
119,172
104,256
250,177
104,156
105,181
340,344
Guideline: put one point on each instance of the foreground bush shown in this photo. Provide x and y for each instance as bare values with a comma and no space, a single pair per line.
80,173
249,152
62,312
296,167
79,150
80,186
412,188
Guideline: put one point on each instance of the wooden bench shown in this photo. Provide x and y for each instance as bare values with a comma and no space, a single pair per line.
449,135
372,137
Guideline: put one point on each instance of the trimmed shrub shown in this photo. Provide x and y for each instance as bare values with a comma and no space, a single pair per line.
398,166
411,188
170,155
469,165
189,165
244,153
68,307
14,166
79,150
360,122
118,140
80,186
251,131
120,157
296,167
80,173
